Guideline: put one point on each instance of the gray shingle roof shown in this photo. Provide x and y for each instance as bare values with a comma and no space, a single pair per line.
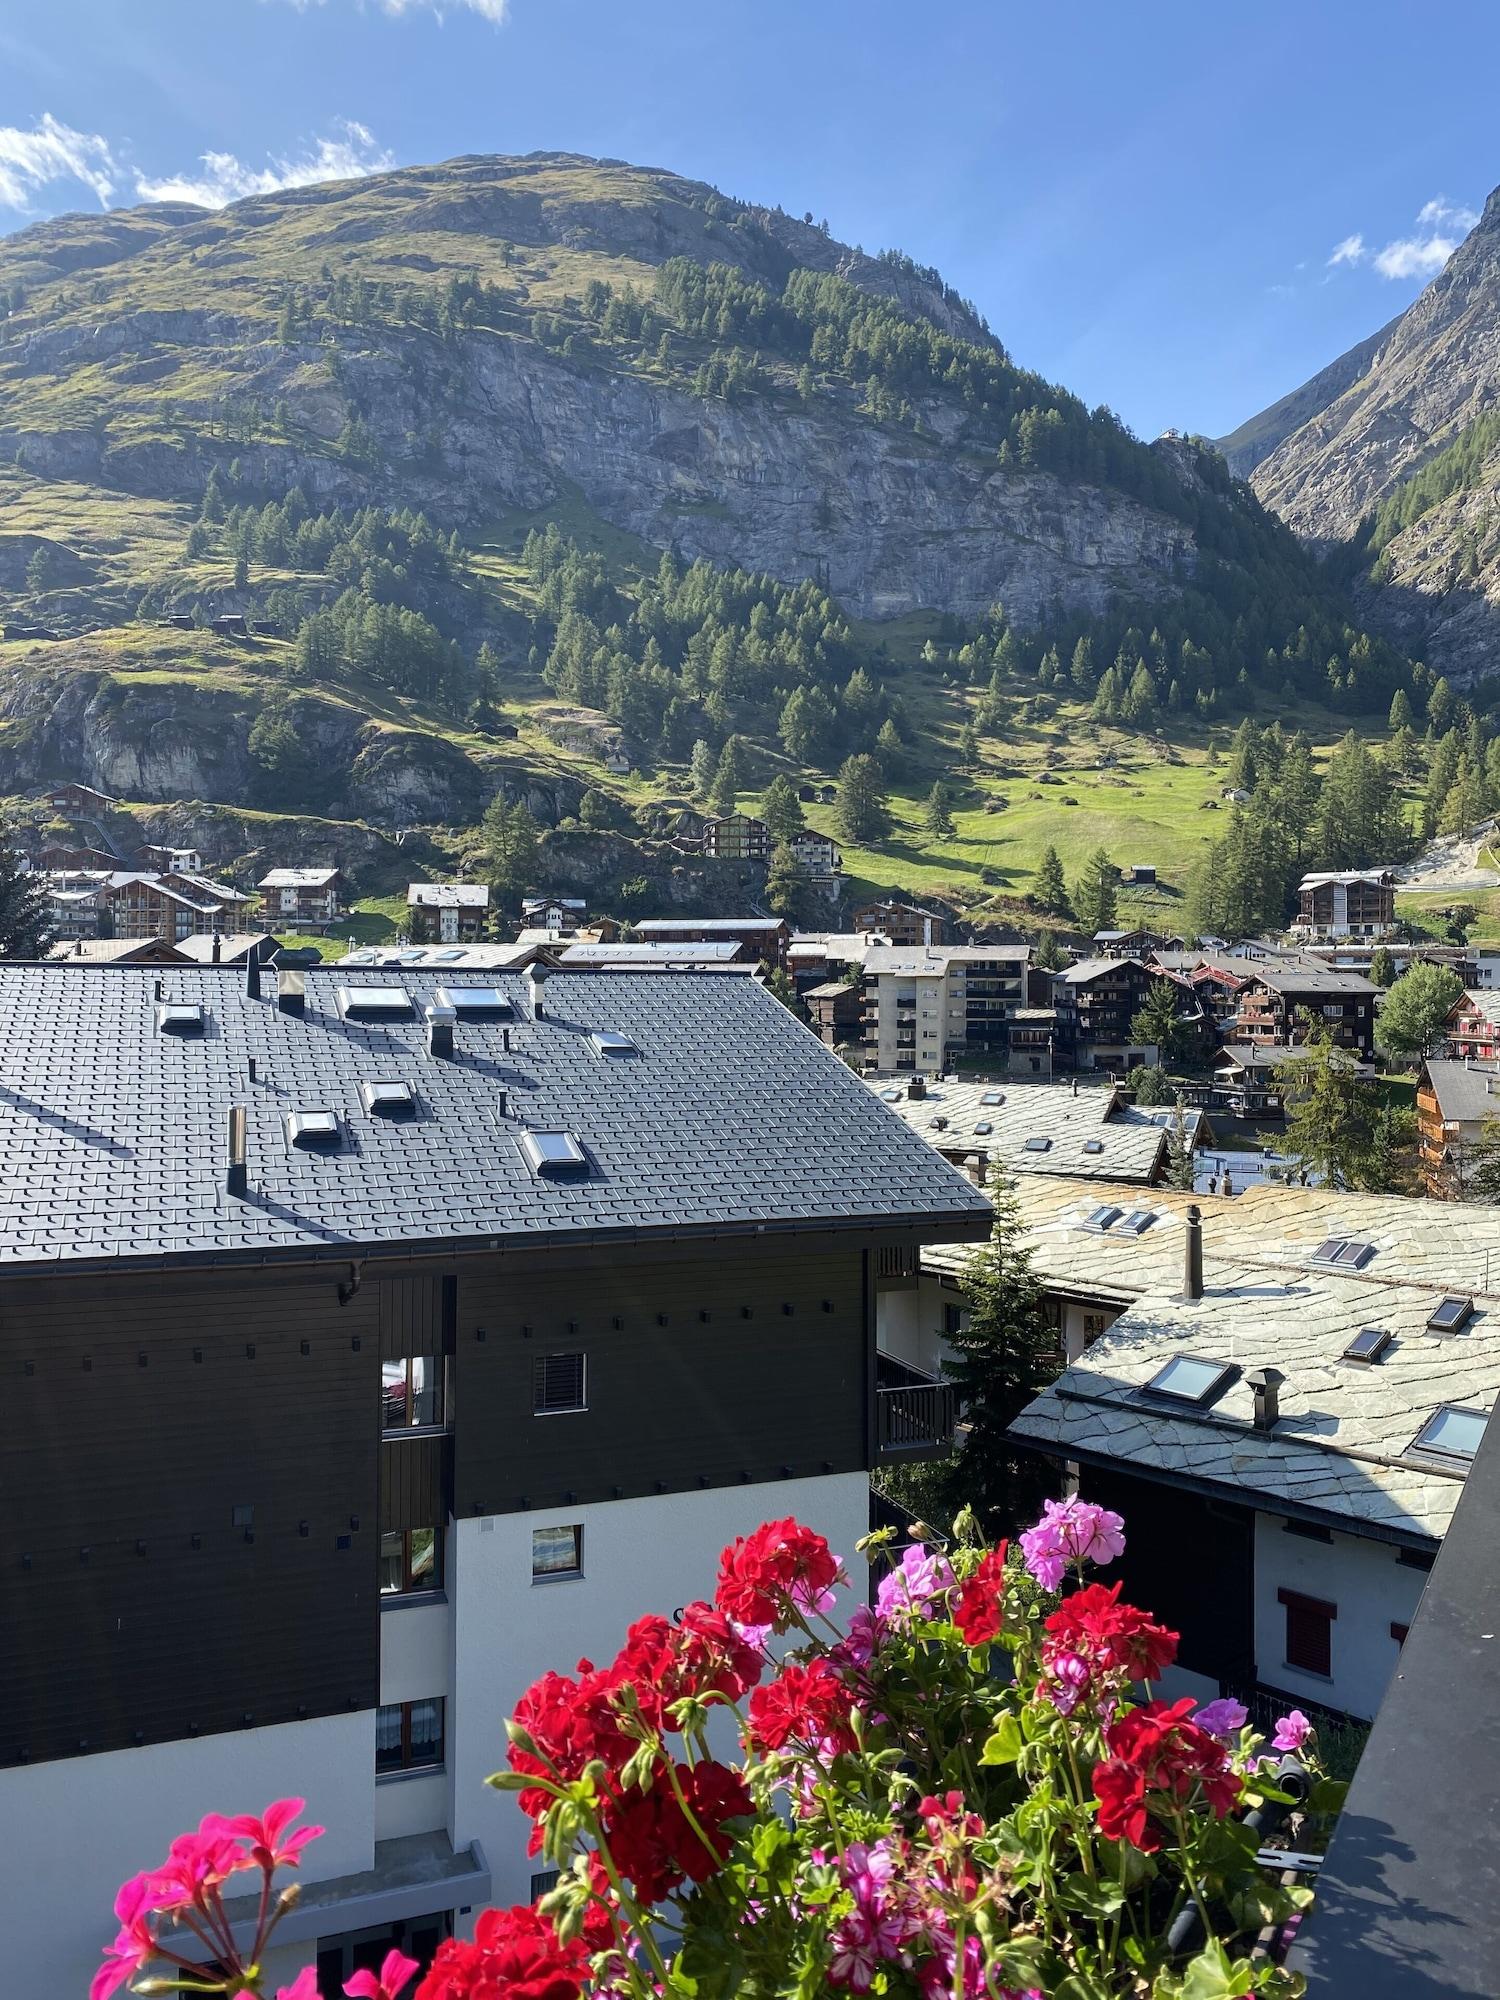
948,1115
1466,1094
732,1115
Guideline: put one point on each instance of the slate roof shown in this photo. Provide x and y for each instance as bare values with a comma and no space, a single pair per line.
448,895
116,951
486,956
1131,1146
732,1116
1481,1000
1282,978
297,878
234,946
1466,1094
686,926
655,952
932,960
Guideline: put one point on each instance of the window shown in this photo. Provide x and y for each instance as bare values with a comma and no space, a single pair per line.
179,1017
983,1129
409,1737
1451,1316
313,1131
1101,1219
606,1042
542,1884
473,1000
556,1552
1346,1251
554,1154
1137,1222
993,1097
1309,1633
411,1392
1094,1324
388,1099
953,1320
1188,1379
557,1384
381,1001
411,1559
1037,1145
1368,1344
1452,1432
1093,1146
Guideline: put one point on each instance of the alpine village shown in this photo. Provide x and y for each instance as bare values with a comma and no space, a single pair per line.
750,1079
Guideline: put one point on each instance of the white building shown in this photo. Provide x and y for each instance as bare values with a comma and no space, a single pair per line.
926,1005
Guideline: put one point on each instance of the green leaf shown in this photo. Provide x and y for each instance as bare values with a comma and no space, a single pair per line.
1005,1746
1328,1795
1091,1898
1213,1975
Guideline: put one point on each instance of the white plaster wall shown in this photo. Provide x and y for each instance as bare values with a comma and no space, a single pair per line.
898,1322
411,1805
72,1830
639,1556
1372,1590
415,1650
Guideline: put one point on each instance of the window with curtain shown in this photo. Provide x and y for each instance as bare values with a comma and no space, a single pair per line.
409,1736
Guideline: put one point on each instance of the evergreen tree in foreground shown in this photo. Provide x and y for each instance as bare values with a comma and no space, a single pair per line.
24,931
1003,1357
860,811
1332,1117
1049,889
1095,893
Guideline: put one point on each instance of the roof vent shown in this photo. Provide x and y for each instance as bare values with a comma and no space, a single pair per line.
605,1042
388,1098
440,1019
1265,1386
1192,1252
554,1155
179,1017
291,989
536,979
313,1131
917,1088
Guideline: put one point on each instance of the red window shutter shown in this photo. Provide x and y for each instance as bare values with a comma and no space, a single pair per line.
1309,1632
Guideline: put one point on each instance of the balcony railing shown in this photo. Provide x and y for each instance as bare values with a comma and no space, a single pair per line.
914,1414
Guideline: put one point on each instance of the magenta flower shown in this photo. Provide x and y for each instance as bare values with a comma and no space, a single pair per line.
135,1945
303,1987
866,1633
1071,1532
394,1973
1224,1718
1292,1731
906,1593
1067,1682
273,1841
862,1942
868,1871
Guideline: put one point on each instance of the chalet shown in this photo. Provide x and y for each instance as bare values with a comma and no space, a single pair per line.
170,860
902,923
835,1008
1358,902
335,1428
79,799
561,915
308,898
230,624
1032,1046
1473,1027
1143,873
735,837
1283,1402
766,938
57,859
127,904
928,1006
1138,943
821,857
1097,1000
447,912
1458,1104
1281,998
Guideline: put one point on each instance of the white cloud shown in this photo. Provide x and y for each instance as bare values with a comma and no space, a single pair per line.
53,152
1441,227
347,154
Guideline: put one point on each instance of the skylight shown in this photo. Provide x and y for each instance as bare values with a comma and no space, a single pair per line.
449,957
607,1043
1093,1145
1101,1219
1451,1316
389,1002
1452,1432
474,1000
983,1129
1136,1223
554,1154
1037,1144
1368,1344
1188,1379
386,1099
179,1017
312,1129
891,1096
993,1097
1347,1252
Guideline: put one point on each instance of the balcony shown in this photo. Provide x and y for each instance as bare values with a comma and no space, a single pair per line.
914,1414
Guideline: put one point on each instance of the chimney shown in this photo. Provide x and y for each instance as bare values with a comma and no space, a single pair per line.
252,976
536,979
927,933
1265,1385
1192,1253
1075,1086
917,1087
235,1173
214,949
440,1023
291,989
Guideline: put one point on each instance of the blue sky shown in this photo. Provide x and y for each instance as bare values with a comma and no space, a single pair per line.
1182,209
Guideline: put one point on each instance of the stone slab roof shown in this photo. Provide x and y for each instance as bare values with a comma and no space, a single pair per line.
948,1116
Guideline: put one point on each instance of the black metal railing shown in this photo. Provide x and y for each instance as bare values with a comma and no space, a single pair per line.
914,1415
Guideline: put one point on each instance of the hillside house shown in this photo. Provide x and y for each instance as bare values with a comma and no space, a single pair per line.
469,1409
447,912
1456,1101
302,898
902,923
169,860
735,837
1357,902
560,915
80,800
1097,1000
765,938
1281,998
1473,1027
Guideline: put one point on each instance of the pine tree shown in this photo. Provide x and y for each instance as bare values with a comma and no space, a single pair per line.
1049,889
511,845
1156,1022
1095,893
889,749
24,931
39,568
704,769
789,889
1331,1116
781,810
1004,1355
1049,955
1400,716
939,813
1181,1170
861,812
730,775
1383,967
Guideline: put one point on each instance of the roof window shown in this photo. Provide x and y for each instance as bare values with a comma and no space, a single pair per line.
1187,1378
313,1131
1452,1316
993,1097
1136,1223
1093,1145
1452,1432
179,1017
388,1098
983,1129
554,1155
474,1001
1101,1219
449,957
605,1042
1347,1252
378,1002
1369,1344
1037,1144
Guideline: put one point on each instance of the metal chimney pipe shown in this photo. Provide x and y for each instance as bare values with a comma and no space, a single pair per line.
252,975
1192,1253
215,949
1265,1385
235,1174
535,981
440,1025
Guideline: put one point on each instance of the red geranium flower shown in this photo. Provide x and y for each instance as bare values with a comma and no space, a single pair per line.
514,1954
572,1724
804,1705
704,1654
760,1575
1156,1749
1115,1637
979,1610
654,1843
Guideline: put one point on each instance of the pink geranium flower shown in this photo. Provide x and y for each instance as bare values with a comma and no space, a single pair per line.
396,1970
273,1841
134,1945
1292,1731
1071,1532
303,1987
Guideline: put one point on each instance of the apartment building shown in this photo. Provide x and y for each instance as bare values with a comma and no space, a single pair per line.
1473,1027
1097,1000
765,938
376,1340
447,912
735,837
1281,997
902,923
928,1006
1358,902
309,897
125,903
